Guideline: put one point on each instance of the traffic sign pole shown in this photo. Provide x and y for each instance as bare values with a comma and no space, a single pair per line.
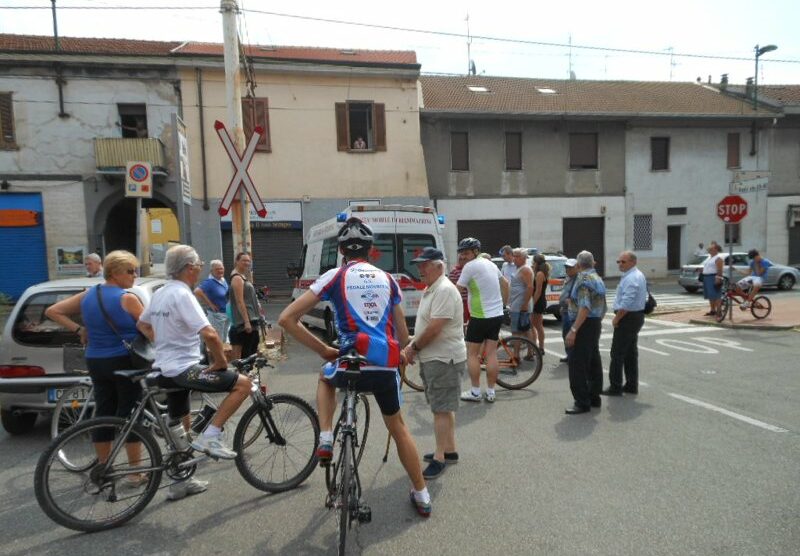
731,210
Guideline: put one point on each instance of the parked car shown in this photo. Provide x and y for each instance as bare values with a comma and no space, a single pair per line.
778,276
558,273
38,358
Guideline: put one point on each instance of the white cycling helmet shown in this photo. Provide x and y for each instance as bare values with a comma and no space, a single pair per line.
355,235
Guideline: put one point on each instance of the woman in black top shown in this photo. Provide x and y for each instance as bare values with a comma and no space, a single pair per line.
541,274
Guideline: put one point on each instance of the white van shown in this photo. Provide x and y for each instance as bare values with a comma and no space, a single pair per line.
401,233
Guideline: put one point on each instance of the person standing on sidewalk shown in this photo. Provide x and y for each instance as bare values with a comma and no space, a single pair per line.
712,278
519,298
455,274
213,293
509,268
585,365
570,267
628,321
439,346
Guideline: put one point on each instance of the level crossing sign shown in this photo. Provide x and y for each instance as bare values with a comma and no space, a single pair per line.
240,164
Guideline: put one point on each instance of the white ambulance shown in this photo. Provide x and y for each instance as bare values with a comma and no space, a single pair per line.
401,233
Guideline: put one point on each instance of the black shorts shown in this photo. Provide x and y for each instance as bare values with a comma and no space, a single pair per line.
540,307
194,379
479,330
249,342
384,385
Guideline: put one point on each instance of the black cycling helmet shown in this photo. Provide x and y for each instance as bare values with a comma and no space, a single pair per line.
355,235
469,243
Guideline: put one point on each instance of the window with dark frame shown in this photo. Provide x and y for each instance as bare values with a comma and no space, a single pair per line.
255,113
133,121
659,153
642,232
513,150
7,137
459,151
360,126
733,151
583,151
676,211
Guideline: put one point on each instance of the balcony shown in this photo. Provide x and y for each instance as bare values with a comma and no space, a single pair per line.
113,154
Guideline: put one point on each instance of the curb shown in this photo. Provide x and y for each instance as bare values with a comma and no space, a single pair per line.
768,327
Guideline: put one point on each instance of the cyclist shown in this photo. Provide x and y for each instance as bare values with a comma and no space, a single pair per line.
366,302
754,277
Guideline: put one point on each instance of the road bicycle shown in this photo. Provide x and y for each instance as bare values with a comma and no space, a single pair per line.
732,295
520,363
275,441
350,435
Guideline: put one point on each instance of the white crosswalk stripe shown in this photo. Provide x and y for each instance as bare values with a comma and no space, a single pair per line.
668,300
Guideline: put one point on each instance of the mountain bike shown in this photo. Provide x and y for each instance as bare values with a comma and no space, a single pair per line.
732,295
342,478
275,441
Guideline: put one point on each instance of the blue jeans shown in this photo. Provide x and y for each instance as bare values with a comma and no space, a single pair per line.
566,323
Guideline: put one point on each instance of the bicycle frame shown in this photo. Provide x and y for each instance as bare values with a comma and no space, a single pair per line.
347,418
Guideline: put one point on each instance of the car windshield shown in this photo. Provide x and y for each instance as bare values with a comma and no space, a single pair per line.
697,259
386,248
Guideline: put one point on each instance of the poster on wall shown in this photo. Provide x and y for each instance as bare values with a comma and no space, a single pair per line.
70,259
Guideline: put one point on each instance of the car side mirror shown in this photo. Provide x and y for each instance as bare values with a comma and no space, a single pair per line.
293,270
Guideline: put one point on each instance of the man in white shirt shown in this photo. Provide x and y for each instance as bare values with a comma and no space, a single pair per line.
439,346
508,269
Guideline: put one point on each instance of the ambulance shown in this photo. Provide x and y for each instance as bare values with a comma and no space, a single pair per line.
401,233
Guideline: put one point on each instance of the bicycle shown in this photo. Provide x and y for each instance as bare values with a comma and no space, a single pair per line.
277,435
516,370
760,305
342,478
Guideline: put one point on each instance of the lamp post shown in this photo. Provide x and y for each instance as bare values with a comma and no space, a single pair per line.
759,51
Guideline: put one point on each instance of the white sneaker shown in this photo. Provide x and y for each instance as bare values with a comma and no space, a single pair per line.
468,396
185,488
213,446
490,396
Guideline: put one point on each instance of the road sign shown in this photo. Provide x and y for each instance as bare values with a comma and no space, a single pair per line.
240,163
732,209
749,182
139,180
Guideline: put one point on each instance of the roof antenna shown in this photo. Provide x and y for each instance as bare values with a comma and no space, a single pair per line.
470,63
571,73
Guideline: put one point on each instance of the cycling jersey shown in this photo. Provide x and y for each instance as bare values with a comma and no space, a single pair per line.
363,297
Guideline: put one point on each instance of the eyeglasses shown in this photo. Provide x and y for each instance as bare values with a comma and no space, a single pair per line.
131,271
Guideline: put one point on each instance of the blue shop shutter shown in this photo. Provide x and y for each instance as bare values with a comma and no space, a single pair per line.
23,252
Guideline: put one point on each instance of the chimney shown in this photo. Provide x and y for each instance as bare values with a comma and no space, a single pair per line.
749,89
709,79
723,82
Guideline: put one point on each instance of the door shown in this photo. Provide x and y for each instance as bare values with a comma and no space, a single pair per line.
493,234
674,247
273,250
794,244
23,256
579,234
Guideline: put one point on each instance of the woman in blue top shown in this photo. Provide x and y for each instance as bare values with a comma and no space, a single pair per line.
105,350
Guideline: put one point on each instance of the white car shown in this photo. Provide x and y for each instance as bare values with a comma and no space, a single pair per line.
39,358
778,275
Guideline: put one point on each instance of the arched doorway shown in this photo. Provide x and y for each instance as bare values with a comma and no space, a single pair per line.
119,231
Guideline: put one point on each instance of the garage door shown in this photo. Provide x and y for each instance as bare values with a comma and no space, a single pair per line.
579,234
272,251
23,258
493,234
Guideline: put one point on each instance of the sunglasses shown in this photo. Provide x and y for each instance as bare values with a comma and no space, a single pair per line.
131,271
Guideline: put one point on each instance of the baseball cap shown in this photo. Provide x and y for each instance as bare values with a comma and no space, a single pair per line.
429,254
571,263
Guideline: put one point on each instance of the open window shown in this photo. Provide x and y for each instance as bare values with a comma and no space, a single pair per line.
360,126
255,113
133,121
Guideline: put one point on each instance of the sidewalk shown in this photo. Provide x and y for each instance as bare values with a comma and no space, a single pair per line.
785,316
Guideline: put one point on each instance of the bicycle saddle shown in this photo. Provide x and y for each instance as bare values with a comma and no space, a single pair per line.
353,360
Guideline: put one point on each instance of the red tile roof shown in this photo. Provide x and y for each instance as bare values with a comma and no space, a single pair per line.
75,45
305,53
788,95
508,95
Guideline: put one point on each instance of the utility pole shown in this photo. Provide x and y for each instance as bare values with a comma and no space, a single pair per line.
240,209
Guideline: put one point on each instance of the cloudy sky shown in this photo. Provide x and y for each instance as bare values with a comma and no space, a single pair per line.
508,35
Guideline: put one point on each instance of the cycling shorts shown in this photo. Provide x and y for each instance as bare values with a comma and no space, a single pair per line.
384,385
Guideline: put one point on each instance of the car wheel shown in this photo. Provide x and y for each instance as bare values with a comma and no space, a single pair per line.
330,328
786,282
691,289
17,422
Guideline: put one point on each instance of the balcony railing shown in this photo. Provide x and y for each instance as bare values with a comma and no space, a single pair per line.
114,153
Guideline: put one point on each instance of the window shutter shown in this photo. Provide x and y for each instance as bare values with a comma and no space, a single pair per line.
6,120
659,150
342,142
261,117
733,150
380,126
513,151
583,150
247,118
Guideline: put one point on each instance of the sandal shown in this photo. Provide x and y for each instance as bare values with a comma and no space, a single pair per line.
528,357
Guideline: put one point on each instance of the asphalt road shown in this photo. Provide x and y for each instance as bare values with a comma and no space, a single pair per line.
702,461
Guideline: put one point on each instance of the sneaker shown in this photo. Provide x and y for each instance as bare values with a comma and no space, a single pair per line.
449,457
434,469
490,396
422,508
325,454
132,482
468,396
213,446
186,488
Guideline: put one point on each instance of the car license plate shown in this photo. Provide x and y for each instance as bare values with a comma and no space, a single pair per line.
553,297
79,395
556,288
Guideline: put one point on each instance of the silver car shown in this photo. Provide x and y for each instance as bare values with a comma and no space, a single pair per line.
39,358
778,275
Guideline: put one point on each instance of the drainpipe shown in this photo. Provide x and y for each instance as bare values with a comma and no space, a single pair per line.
753,139
199,76
57,66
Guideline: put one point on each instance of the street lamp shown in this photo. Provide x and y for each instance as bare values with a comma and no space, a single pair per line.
759,52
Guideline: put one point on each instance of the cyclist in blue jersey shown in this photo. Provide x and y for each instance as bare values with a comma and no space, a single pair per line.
370,319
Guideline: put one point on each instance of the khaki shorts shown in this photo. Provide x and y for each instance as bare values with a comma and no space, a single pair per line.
442,384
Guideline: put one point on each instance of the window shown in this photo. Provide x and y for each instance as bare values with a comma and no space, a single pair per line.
733,236
513,151
7,139
255,113
642,232
733,151
133,120
582,151
459,151
33,328
360,126
659,153
330,252
676,211
394,252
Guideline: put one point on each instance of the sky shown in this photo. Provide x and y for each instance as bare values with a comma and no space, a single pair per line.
503,33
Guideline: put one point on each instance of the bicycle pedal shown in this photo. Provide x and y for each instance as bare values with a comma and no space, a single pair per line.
364,514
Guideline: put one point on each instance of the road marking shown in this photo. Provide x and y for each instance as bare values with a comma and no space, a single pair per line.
676,344
653,350
729,413
672,323
722,342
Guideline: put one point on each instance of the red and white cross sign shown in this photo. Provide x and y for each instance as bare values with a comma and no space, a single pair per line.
240,178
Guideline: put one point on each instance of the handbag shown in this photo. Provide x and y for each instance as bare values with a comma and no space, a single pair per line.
140,348
650,304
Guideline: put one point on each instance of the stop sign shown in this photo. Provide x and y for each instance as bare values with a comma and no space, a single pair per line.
732,209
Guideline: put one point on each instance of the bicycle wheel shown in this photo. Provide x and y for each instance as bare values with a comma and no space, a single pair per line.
72,408
761,307
344,495
724,307
411,376
277,466
97,497
362,425
520,362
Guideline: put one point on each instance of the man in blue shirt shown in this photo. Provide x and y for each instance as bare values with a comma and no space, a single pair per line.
755,276
628,320
213,294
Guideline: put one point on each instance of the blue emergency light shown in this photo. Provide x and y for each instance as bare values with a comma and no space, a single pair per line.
341,217
440,218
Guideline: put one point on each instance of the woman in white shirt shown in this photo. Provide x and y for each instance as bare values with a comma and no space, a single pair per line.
712,278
